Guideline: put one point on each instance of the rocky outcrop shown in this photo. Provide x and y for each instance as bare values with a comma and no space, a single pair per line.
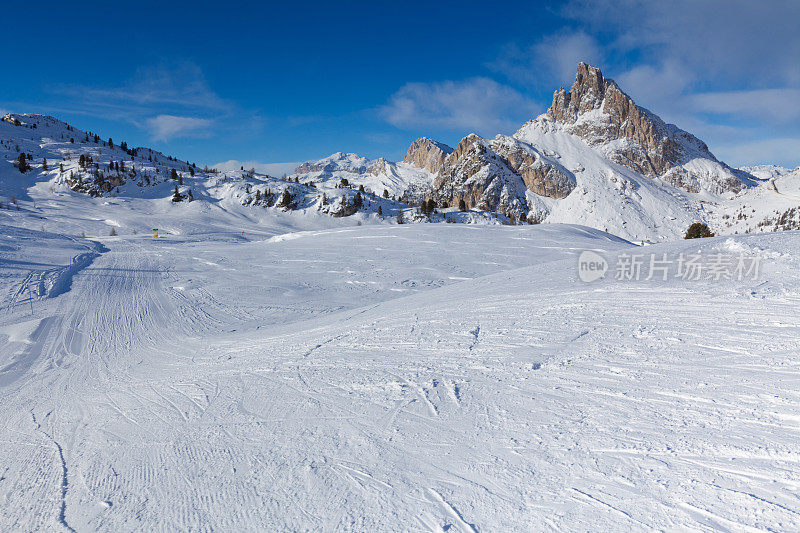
495,175
598,111
541,175
473,172
380,166
94,185
427,154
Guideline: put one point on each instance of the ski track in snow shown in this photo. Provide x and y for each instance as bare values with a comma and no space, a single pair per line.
498,393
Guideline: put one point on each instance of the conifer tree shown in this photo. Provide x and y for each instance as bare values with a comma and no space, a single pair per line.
22,163
286,199
698,230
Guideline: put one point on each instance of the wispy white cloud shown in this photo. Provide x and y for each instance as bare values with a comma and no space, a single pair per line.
166,127
782,151
756,43
774,105
179,84
654,85
169,101
478,104
182,84
551,57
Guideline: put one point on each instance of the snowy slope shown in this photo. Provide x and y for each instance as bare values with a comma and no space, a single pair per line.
418,377
378,175
137,185
610,196
773,205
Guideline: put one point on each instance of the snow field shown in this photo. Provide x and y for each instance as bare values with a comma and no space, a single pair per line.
434,377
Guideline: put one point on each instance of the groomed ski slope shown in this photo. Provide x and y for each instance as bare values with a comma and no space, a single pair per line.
425,377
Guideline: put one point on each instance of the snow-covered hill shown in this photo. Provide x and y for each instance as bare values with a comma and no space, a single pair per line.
77,174
772,206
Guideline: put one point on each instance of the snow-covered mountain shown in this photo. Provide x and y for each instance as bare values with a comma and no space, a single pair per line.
597,111
593,158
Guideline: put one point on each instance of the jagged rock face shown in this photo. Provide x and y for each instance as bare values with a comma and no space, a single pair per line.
427,154
307,167
652,151
544,177
598,111
495,175
473,172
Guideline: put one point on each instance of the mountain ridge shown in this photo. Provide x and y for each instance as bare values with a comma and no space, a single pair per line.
593,157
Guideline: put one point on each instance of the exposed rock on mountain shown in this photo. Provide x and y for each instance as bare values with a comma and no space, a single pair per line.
594,158
541,175
598,111
380,166
475,173
427,154
495,175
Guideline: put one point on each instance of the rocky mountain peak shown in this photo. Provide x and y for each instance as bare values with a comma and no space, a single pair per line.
598,111
587,93
427,154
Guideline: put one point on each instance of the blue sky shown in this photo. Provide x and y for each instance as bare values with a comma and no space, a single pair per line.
285,82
